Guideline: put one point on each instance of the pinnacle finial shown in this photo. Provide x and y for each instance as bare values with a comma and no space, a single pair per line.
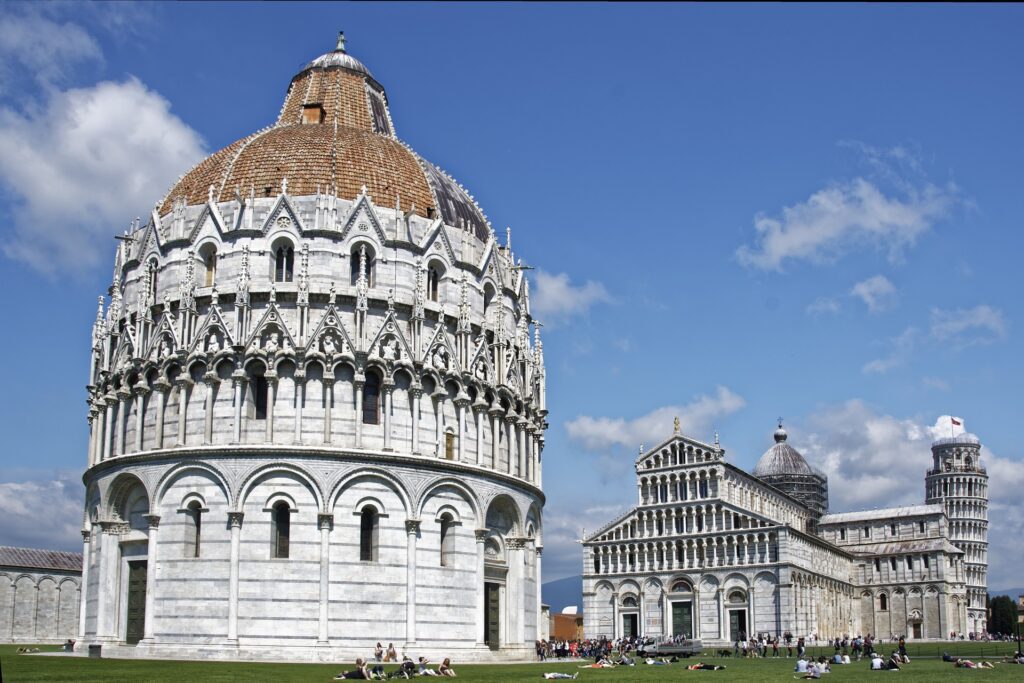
675,425
340,47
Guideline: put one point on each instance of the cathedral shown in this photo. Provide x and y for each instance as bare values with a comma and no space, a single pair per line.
712,552
316,405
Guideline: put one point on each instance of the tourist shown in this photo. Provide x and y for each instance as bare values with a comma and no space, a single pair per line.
801,648
701,666
894,661
775,647
801,665
446,668
555,675
408,667
423,669
360,673
876,662
378,653
391,655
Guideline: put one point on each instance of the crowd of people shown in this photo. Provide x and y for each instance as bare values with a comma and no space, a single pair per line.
407,667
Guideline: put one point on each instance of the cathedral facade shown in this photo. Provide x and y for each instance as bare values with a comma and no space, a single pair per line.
713,552
316,408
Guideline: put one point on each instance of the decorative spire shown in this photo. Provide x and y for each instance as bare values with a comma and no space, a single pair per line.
361,284
332,295
242,297
464,323
419,296
391,299
273,292
340,46
214,296
303,294
187,287
98,326
675,425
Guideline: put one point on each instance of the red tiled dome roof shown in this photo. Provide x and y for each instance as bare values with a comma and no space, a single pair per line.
334,134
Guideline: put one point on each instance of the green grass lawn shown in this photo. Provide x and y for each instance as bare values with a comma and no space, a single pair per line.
17,667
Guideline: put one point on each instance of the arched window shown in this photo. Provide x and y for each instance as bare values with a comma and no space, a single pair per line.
209,256
193,528
629,602
260,391
281,522
284,263
368,528
447,540
682,587
371,399
433,282
883,602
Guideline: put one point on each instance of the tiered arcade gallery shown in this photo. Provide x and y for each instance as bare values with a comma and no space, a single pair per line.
316,410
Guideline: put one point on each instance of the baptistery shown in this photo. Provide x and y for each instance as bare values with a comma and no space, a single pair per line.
316,407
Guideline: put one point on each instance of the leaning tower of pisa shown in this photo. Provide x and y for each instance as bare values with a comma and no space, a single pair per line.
959,482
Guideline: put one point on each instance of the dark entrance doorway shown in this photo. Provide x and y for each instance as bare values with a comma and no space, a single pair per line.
492,607
629,625
917,631
682,619
136,626
737,624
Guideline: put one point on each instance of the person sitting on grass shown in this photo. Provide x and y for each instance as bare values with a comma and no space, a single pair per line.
423,669
801,666
601,663
876,662
894,661
446,668
701,666
1017,658
625,660
360,673
555,675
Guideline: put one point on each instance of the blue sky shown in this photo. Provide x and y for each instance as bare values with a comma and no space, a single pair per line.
735,212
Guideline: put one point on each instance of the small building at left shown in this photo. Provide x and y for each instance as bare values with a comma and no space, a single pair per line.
40,592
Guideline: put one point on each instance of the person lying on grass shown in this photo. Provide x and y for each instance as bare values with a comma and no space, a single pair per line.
701,666
555,675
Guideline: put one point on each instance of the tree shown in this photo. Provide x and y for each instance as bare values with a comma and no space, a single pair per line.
1004,615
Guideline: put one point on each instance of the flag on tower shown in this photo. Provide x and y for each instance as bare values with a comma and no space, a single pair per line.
957,422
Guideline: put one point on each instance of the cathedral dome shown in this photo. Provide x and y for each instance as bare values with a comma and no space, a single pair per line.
782,459
334,134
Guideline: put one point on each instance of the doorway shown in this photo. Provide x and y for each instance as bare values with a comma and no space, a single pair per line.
629,625
135,628
682,619
492,618
916,631
737,624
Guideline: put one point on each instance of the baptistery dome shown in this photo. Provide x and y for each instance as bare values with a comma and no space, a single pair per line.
315,386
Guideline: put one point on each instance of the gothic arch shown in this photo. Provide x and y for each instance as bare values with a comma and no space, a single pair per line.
469,496
172,474
253,477
370,473
119,491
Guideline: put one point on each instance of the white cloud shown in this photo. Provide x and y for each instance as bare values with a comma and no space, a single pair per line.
978,326
842,217
556,299
563,527
696,418
42,514
877,293
900,348
936,383
85,163
821,305
877,460
45,50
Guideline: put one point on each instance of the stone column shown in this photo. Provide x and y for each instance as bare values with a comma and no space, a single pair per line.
521,447
510,441
388,389
93,431
235,522
357,386
108,585
184,389
478,412
151,570
412,530
140,413
416,396
460,407
238,379
325,522
481,537
328,383
495,456
439,422
162,387
211,381
721,614
300,399
537,583
642,604
82,612
271,378
514,597
122,405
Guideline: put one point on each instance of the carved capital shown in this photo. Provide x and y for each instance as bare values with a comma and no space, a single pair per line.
325,521
153,521
539,550
481,534
114,527
516,543
235,519
412,526
211,379
86,535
